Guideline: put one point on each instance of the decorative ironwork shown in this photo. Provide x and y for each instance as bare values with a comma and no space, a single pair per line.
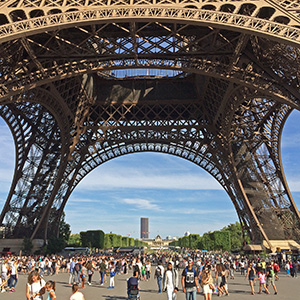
83,82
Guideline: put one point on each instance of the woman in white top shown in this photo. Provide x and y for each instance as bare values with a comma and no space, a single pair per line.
4,275
35,287
76,294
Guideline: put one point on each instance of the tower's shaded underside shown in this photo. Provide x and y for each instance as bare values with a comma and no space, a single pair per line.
82,93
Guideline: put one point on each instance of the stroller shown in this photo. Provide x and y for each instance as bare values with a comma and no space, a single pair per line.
133,291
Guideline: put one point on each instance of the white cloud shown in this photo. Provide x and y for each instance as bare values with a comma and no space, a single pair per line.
142,204
82,200
294,183
193,211
125,177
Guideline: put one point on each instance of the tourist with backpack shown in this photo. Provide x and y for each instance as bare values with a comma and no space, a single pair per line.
270,278
276,269
159,271
189,281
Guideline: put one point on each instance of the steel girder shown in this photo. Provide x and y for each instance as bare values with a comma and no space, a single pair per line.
235,68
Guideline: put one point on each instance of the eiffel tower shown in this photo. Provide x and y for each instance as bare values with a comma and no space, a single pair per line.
85,81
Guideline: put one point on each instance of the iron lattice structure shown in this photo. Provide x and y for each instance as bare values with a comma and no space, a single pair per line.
85,81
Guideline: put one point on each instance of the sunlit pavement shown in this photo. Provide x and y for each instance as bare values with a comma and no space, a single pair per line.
288,288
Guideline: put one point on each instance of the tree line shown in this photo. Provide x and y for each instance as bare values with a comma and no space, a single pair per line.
100,240
228,238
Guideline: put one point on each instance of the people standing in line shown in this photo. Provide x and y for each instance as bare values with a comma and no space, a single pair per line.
170,281
207,282
35,287
159,271
50,288
189,281
77,295
270,278
251,274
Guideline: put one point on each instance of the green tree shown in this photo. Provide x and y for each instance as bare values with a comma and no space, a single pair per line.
27,246
57,244
93,239
236,235
74,240
193,241
64,229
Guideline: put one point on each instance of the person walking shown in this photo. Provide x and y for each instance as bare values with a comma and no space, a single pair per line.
189,281
270,278
72,272
251,276
207,282
262,282
90,271
170,281
35,287
148,270
159,271
4,275
102,270
13,276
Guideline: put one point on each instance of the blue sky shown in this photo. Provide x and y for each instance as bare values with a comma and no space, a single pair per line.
174,193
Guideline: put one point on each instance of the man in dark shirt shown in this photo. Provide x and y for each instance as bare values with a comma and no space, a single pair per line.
102,270
189,281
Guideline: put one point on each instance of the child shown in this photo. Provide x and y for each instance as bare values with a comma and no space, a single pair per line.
262,282
143,271
112,276
76,294
50,288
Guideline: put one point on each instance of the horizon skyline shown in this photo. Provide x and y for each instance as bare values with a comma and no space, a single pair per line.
175,193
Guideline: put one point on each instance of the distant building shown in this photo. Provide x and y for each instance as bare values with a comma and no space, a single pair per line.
144,228
158,242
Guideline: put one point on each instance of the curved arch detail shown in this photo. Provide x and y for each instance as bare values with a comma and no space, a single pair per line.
241,23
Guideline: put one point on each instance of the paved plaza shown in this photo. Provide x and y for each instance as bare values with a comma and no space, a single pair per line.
288,289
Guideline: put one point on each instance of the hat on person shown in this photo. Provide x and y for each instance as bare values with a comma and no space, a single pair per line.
190,260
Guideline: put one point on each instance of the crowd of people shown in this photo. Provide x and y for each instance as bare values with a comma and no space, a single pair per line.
173,272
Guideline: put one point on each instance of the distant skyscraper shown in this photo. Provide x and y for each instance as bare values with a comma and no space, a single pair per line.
144,228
